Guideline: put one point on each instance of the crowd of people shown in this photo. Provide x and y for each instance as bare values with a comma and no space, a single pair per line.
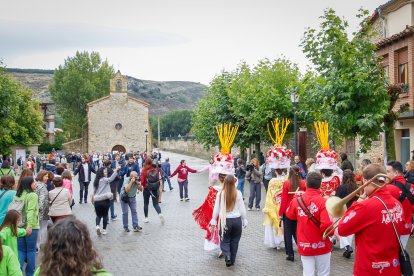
36,210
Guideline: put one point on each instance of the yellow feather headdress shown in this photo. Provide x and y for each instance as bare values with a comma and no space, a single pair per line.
279,128
226,133
322,132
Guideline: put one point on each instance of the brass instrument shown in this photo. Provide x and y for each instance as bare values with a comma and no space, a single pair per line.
297,192
336,206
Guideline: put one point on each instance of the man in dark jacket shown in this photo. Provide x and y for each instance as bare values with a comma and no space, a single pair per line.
84,169
51,167
346,164
166,169
129,167
118,162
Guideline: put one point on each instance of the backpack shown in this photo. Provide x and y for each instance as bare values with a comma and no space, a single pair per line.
18,205
153,180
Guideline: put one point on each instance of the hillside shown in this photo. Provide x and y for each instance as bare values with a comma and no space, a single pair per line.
163,96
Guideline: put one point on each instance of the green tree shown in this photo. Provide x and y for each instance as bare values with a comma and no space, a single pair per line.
259,95
80,80
20,117
213,110
172,124
353,91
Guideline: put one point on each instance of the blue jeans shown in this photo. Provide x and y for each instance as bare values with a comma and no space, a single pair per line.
183,186
27,251
132,204
240,185
255,193
112,207
168,181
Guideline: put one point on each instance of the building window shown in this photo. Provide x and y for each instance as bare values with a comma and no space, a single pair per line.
386,72
403,73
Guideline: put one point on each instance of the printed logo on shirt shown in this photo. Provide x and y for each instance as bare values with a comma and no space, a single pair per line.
380,265
183,171
395,262
396,215
312,209
305,245
349,216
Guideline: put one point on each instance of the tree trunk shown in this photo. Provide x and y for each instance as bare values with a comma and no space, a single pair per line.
243,155
257,149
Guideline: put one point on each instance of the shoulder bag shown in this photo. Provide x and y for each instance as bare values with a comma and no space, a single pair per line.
305,209
404,258
51,203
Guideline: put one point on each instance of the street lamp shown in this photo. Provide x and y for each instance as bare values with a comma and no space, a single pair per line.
146,140
294,98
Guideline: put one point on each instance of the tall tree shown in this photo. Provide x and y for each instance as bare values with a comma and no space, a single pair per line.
81,79
172,124
20,117
354,91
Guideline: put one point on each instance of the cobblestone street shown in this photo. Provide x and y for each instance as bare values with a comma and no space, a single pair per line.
177,247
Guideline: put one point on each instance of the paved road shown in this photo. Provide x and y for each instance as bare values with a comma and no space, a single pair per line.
177,247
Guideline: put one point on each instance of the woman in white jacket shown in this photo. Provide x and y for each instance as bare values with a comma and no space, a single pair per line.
230,206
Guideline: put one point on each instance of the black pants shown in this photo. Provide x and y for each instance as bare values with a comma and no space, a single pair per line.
101,210
83,186
289,227
230,242
266,183
154,195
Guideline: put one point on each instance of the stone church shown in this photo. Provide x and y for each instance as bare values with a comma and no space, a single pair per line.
118,122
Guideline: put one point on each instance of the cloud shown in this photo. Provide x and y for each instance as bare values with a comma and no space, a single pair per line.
22,38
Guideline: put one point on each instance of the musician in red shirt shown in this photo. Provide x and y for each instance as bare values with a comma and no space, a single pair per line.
376,243
293,184
312,220
400,190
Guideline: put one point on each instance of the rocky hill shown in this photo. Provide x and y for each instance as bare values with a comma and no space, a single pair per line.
163,96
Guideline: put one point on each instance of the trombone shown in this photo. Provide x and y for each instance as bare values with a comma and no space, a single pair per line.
336,206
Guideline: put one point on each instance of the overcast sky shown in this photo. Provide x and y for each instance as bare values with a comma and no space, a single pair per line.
163,40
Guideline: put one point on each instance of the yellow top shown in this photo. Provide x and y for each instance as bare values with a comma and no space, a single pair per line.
279,132
226,133
322,132
272,206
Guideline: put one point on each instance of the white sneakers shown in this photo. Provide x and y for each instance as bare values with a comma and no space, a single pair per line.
104,232
146,220
98,230
162,219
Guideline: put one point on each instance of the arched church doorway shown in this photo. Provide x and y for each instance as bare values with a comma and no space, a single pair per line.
119,148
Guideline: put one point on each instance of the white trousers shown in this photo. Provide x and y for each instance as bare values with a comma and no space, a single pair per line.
316,265
404,240
345,241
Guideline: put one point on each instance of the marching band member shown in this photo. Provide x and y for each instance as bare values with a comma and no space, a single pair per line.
222,166
400,190
278,159
290,186
377,247
312,220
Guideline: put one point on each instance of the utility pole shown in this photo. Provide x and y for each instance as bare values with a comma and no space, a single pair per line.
159,133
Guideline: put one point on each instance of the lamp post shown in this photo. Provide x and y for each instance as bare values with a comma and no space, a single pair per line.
146,140
294,98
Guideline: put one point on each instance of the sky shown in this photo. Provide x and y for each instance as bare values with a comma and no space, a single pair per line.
163,40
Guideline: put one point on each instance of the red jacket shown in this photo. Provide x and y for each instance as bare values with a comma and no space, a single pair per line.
182,172
396,193
286,197
309,236
376,244
329,188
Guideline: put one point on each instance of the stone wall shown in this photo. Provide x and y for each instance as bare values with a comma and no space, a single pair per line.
189,147
74,146
118,120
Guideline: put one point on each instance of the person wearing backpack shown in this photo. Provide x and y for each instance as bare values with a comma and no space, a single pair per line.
6,169
29,221
151,180
7,193
400,190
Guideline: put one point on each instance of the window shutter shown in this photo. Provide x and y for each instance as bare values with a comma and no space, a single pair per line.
403,56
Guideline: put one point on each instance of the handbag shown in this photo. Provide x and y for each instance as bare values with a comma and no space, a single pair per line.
404,258
124,195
